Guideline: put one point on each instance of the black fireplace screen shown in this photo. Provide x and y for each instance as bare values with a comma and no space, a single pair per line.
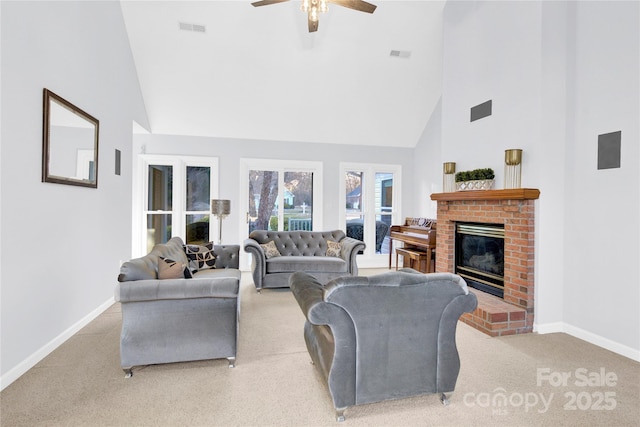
480,256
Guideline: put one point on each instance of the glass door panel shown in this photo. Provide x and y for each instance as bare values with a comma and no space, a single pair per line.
280,200
197,229
198,204
384,209
298,201
198,188
159,204
355,224
158,229
263,198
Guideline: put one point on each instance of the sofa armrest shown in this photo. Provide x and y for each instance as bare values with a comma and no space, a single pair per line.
448,359
306,290
144,268
173,289
339,352
309,293
258,261
227,256
350,249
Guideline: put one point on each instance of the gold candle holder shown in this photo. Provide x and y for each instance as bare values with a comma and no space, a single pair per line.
448,177
512,168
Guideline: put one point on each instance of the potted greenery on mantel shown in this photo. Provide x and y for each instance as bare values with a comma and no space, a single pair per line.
477,179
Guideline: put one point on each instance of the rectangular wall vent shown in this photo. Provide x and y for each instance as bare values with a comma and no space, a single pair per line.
400,53
191,27
481,110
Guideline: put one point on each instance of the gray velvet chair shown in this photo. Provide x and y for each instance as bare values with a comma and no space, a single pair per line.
383,337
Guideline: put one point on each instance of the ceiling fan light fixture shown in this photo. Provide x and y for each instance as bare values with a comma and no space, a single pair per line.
313,8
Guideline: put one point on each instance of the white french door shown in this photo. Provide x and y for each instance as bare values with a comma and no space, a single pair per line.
370,207
279,195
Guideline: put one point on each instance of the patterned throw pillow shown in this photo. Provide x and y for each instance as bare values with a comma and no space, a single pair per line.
270,249
334,248
170,269
201,257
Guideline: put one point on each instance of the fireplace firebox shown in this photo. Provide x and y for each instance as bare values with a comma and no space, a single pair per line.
479,256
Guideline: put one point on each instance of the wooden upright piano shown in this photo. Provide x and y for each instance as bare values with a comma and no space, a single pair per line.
417,234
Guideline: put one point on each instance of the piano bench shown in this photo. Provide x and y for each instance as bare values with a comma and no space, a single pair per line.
415,255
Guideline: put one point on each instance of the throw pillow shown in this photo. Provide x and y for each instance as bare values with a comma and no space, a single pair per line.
170,269
334,248
270,249
201,257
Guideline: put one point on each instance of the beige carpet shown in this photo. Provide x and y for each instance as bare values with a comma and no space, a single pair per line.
273,384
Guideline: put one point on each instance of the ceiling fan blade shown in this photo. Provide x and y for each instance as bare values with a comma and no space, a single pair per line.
359,5
313,26
267,2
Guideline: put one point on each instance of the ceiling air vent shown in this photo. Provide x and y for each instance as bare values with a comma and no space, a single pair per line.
400,53
191,27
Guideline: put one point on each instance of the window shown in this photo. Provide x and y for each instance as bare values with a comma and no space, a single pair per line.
177,198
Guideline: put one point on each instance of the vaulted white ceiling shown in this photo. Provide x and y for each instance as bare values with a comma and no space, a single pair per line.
257,73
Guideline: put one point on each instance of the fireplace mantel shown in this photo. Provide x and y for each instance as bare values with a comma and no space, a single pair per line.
510,194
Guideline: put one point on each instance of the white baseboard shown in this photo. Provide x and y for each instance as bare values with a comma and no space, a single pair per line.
623,350
549,328
44,351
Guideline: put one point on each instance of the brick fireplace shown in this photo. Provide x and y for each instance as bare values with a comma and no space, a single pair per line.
513,208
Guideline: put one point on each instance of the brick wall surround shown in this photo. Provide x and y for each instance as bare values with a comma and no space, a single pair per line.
515,209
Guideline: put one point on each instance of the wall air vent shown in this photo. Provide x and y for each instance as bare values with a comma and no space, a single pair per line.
400,53
191,27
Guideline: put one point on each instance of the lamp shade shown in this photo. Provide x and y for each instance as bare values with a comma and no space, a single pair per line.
220,207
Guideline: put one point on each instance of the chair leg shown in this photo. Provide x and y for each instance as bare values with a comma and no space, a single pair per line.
128,372
232,362
340,414
444,399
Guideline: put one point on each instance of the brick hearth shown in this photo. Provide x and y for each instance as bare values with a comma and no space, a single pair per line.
515,210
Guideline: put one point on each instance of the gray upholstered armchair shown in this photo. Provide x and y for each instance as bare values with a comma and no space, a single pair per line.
383,337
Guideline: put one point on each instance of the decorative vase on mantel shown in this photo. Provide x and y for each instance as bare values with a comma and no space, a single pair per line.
477,179
478,184
448,177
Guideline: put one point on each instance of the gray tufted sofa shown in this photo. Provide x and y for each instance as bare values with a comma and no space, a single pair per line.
300,251
176,320
383,337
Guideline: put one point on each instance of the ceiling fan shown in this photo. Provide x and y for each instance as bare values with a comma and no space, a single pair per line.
315,7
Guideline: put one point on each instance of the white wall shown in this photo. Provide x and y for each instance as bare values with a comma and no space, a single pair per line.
602,288
61,245
427,160
559,74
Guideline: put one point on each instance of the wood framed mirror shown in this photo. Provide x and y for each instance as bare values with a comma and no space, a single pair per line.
69,143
